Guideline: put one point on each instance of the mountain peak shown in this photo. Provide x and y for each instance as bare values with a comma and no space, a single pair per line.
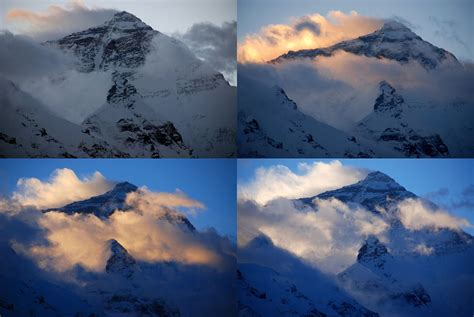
125,187
120,261
373,253
378,176
392,25
388,100
127,21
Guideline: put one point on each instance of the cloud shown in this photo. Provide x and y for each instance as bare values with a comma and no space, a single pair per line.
62,188
442,192
307,32
328,236
280,182
152,227
51,77
216,45
341,90
416,215
21,58
57,21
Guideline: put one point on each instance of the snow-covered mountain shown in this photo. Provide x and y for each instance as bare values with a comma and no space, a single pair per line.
398,126
409,273
28,129
163,101
272,282
393,41
126,286
271,125
425,271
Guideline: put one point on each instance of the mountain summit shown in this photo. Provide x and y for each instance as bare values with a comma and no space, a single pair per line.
393,41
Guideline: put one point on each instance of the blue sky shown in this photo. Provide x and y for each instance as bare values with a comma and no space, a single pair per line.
448,177
212,182
445,23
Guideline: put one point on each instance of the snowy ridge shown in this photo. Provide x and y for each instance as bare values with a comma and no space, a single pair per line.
390,125
104,205
393,41
28,129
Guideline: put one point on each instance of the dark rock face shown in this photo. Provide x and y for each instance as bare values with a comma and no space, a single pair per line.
96,48
416,297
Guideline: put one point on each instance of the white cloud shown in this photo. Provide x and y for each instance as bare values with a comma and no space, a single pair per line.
62,188
280,182
416,215
328,236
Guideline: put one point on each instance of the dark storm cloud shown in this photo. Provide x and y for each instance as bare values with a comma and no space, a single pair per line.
215,44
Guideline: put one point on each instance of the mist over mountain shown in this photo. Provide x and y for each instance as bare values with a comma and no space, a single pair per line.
388,94
128,90
370,248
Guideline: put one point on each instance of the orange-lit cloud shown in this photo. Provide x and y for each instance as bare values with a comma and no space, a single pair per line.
63,187
306,32
152,228
57,20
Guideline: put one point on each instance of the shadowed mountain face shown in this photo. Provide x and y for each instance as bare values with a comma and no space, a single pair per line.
393,41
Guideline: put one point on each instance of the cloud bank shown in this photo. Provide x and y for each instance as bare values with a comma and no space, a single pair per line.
305,32
280,182
341,90
216,45
416,215
328,236
153,227
57,21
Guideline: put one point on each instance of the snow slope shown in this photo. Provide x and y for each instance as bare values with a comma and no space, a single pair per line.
271,125
272,282
28,129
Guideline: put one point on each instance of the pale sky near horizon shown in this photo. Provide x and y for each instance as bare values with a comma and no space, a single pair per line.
166,16
445,23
